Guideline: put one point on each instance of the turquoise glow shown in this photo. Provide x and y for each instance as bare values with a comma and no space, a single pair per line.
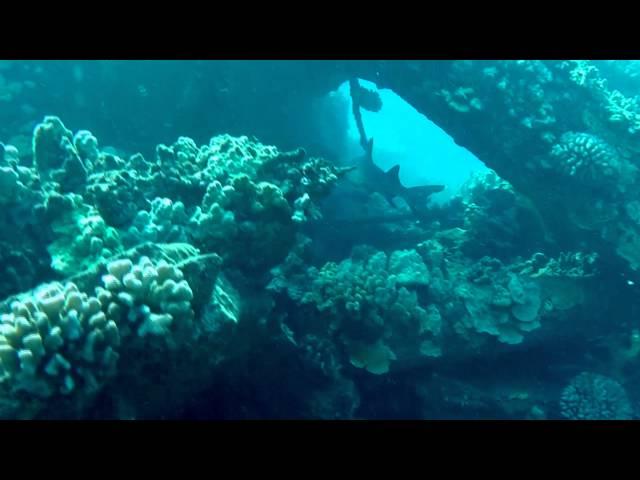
426,153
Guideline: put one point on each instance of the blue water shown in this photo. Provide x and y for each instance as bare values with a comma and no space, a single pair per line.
405,137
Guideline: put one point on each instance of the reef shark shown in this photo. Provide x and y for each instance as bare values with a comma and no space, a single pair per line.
373,178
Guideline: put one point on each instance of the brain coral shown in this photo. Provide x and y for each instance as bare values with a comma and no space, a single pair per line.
591,396
587,157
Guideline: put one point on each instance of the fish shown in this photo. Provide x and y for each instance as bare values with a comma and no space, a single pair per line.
388,184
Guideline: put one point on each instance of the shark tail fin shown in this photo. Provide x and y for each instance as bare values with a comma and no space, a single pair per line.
424,191
417,197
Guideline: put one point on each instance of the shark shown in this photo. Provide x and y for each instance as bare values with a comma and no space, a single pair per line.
372,178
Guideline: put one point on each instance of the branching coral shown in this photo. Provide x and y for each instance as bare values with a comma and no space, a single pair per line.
431,301
520,85
22,201
584,73
165,222
117,194
620,111
231,195
624,110
497,221
19,185
56,157
244,216
145,298
246,201
87,146
56,340
59,340
82,239
374,305
256,197
462,99
567,264
16,184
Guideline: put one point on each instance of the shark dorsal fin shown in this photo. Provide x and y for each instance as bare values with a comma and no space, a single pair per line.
394,173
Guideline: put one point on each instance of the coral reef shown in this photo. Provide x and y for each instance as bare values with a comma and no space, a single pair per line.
256,198
22,200
147,299
588,157
503,306
497,220
591,396
97,306
226,287
56,340
555,130
60,342
82,238
116,193
408,306
56,157
373,300
165,222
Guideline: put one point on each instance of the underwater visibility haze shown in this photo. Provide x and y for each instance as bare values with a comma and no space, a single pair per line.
408,239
